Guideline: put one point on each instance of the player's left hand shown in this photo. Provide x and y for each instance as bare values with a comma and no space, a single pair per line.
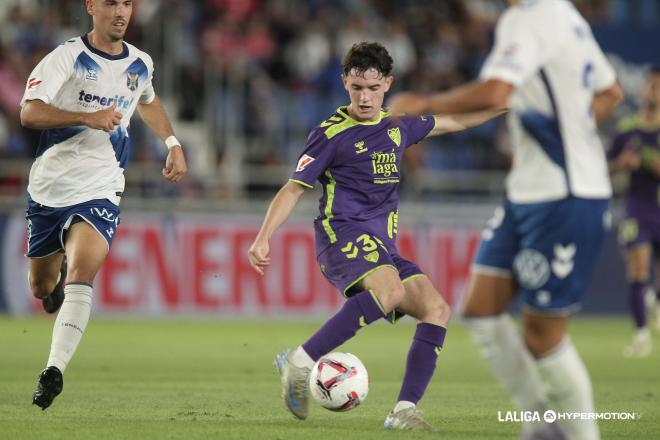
175,165
259,255
407,103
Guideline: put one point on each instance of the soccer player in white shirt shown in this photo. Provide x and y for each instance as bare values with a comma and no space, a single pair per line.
542,243
82,96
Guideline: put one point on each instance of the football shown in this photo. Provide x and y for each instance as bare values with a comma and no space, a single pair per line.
339,381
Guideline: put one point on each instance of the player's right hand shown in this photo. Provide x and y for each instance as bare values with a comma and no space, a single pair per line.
106,119
259,255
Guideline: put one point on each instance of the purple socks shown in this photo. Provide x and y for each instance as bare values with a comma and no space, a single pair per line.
637,303
422,357
359,310
363,309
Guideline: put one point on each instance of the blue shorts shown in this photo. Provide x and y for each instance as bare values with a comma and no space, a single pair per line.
550,248
46,225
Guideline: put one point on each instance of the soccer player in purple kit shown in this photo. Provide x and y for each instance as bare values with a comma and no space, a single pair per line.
356,156
636,149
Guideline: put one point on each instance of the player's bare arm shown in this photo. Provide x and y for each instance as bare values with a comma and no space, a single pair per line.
606,100
154,115
36,114
492,94
457,122
279,210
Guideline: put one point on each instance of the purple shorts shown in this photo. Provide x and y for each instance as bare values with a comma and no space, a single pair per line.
634,231
358,252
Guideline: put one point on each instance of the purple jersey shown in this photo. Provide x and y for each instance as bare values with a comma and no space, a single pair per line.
358,164
643,196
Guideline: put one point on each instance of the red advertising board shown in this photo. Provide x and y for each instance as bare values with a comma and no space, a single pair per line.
198,265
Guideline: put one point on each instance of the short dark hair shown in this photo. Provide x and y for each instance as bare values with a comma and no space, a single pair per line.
364,56
655,69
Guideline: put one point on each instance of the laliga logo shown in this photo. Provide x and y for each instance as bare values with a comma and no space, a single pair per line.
551,416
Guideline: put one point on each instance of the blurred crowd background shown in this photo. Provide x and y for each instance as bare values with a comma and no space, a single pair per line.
245,80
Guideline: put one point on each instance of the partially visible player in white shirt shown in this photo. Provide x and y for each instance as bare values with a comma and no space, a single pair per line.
543,242
82,96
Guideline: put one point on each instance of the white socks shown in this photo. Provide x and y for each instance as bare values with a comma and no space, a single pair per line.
569,389
558,380
502,347
301,359
643,334
70,324
401,405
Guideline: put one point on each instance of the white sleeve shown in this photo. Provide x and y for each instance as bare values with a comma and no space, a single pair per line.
46,80
603,73
148,93
517,53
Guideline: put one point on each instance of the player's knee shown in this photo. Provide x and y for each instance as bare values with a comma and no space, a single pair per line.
533,343
444,312
637,275
439,312
540,343
41,287
638,279
466,310
472,309
391,296
638,270
80,275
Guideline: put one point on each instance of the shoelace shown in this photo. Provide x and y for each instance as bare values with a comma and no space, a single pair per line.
412,418
301,384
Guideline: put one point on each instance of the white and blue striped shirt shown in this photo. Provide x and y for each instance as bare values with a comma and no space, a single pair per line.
546,50
77,164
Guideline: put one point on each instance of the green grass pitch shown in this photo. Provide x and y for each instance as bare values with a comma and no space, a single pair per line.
174,379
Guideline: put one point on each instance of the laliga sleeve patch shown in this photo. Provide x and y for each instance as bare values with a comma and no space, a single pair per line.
33,82
303,162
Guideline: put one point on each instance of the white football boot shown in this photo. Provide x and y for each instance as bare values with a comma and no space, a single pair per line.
295,384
